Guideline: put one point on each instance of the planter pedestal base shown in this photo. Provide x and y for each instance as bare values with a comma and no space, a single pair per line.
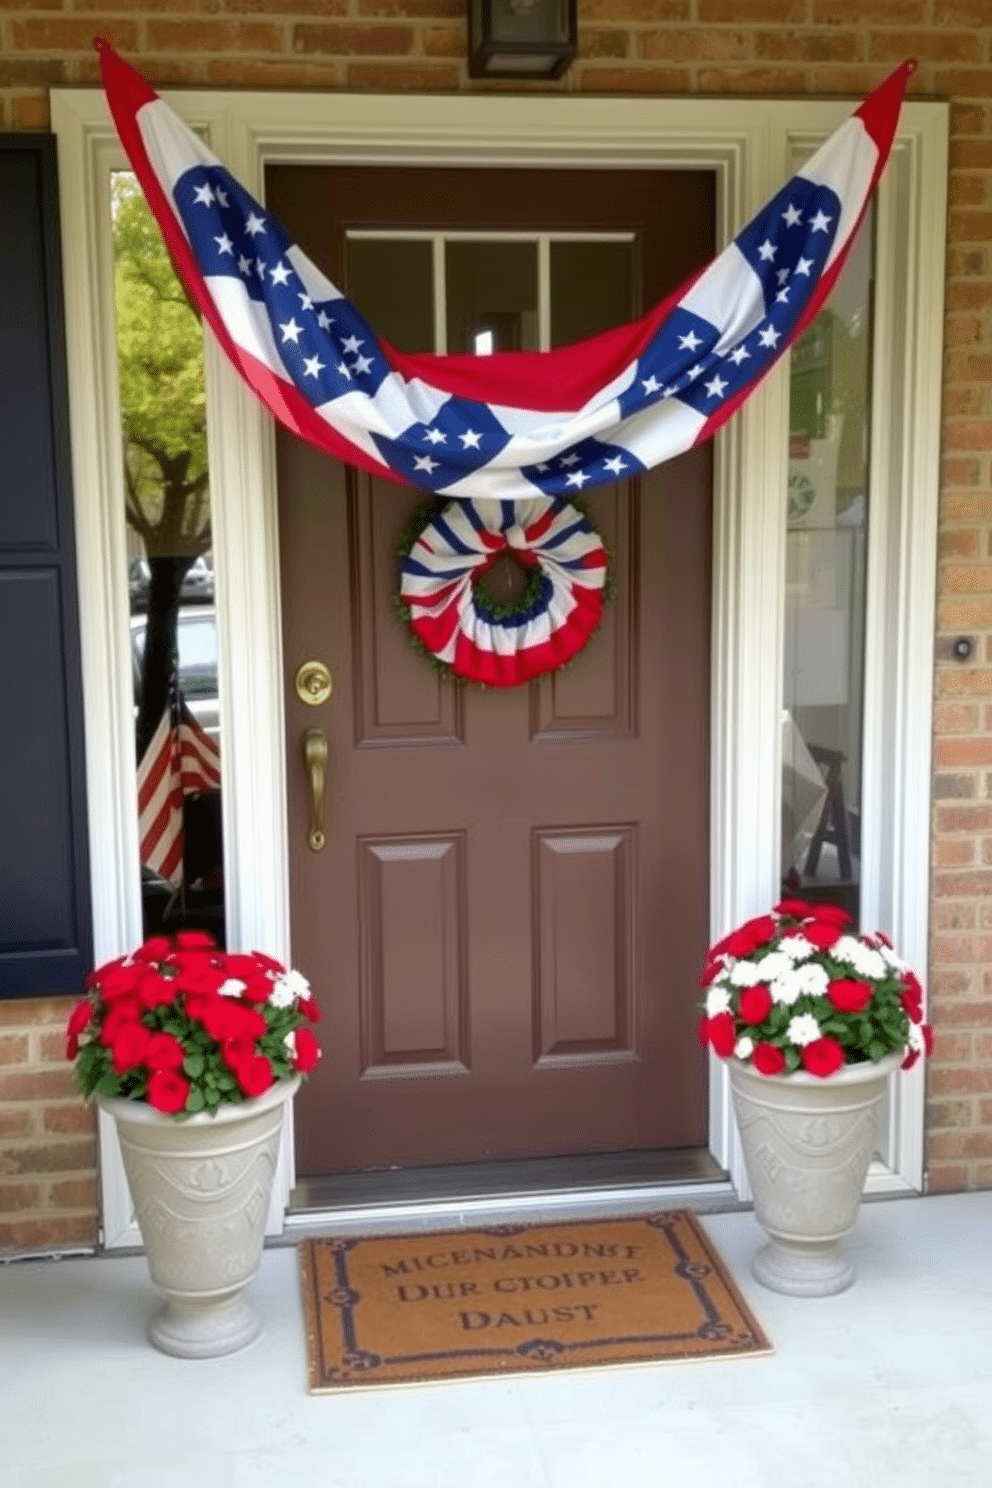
812,1270
201,1328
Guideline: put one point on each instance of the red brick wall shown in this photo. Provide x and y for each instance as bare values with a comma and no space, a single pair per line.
48,1195
744,47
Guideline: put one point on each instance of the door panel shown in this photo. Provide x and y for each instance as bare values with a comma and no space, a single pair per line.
506,924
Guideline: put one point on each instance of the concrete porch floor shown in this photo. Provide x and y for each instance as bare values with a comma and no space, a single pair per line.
889,1383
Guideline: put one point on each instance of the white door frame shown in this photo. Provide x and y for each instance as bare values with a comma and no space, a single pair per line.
749,145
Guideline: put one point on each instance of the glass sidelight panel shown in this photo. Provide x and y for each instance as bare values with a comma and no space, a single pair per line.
827,524
170,576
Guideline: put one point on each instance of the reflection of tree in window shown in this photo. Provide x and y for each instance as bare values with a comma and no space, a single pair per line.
163,412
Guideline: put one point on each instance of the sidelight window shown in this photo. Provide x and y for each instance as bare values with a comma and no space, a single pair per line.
170,576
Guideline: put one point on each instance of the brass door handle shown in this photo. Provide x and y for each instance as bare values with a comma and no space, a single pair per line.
315,758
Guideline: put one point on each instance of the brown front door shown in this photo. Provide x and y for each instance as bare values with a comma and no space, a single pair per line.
505,926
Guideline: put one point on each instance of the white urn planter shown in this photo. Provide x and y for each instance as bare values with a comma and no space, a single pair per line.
807,1143
201,1191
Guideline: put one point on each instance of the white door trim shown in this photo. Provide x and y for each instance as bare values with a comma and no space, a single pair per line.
747,144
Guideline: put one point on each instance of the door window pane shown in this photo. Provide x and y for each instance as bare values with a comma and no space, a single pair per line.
592,287
391,280
492,294
170,577
827,523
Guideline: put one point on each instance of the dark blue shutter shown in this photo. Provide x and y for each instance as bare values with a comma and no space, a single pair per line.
45,929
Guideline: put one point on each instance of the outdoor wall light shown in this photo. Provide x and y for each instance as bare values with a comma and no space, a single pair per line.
521,38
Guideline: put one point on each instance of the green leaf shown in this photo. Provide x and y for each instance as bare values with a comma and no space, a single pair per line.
193,1065
195,1100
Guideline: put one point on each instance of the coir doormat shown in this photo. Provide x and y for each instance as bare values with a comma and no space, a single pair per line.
519,1299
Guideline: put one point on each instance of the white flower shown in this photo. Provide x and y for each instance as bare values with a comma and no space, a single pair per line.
866,962
744,1046
774,965
288,988
746,974
916,1039
803,1029
810,980
231,988
796,947
717,1000
290,1041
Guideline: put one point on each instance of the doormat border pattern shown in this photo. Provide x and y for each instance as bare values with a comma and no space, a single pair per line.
341,1355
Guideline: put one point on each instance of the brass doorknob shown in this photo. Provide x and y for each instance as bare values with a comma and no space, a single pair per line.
314,683
315,759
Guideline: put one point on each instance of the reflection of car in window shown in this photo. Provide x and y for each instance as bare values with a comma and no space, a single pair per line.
138,578
198,582
196,633
197,586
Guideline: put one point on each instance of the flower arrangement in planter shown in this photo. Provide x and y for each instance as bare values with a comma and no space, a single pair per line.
812,1020
186,1027
795,989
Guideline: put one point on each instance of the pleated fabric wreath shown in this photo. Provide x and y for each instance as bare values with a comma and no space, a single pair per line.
467,631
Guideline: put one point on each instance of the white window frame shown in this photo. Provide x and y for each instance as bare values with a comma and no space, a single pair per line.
748,145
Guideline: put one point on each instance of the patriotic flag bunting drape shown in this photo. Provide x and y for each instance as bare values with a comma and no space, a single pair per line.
517,424
181,760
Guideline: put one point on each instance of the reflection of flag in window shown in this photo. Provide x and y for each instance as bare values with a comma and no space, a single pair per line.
181,760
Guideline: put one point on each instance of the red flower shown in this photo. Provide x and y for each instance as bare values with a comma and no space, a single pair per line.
911,997
768,1059
755,1004
721,1034
167,1091
80,1017
822,934
164,1052
307,1051
255,1075
750,936
823,1057
832,914
154,949
268,964
126,1010
796,909
197,976
248,1021
118,981
911,1007
849,996
308,1007
238,1051
241,966
257,986
713,969
155,990
130,1047
218,1015
195,940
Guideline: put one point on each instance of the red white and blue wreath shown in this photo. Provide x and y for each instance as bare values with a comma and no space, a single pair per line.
443,593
